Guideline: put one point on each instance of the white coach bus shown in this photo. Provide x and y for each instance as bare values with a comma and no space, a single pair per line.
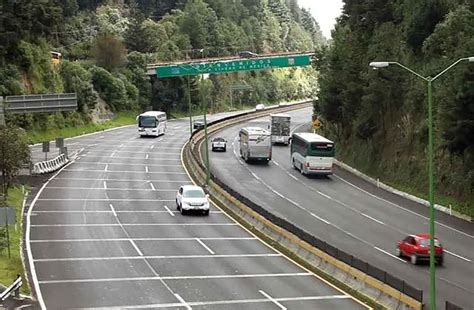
255,144
312,153
151,123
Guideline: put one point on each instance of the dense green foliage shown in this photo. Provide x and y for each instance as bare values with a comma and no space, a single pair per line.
379,116
106,45
14,153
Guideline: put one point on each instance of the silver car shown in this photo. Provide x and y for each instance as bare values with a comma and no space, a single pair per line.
218,144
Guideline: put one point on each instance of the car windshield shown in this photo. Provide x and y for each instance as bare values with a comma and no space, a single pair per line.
147,121
426,242
219,140
194,193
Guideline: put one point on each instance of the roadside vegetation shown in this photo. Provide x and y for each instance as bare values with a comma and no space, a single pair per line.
13,266
379,117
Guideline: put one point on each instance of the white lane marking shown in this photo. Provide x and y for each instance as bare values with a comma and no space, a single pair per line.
204,246
146,169
458,256
120,145
229,302
113,210
138,152
152,187
320,218
135,224
182,301
106,211
402,208
389,254
272,300
72,259
146,157
105,185
203,277
106,167
112,155
103,199
324,195
126,164
123,180
292,176
142,239
122,171
136,247
151,147
125,157
168,210
373,219
113,188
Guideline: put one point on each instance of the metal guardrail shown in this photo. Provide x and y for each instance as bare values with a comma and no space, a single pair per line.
14,288
41,103
347,258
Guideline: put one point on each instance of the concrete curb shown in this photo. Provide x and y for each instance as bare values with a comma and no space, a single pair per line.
350,276
400,193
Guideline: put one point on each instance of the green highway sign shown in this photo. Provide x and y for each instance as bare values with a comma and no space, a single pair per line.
233,65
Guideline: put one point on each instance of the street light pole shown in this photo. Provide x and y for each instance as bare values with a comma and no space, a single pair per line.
429,80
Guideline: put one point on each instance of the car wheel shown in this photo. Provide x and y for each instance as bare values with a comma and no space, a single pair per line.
225,148
183,212
440,261
398,253
414,259
177,204
302,169
206,212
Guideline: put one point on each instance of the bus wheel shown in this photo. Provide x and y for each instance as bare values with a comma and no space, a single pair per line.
294,165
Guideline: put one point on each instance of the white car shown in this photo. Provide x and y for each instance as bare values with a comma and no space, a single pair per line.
218,143
192,198
259,107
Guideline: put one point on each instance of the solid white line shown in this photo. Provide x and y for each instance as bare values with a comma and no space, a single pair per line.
272,300
141,239
106,167
324,195
169,211
203,277
124,157
146,169
227,302
126,164
373,219
112,188
121,171
71,259
113,210
102,199
107,211
152,187
123,180
182,301
205,246
320,218
136,247
458,256
135,224
389,254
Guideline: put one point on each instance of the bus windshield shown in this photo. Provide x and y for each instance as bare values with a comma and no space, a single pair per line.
147,121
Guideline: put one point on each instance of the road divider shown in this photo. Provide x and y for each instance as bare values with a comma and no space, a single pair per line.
339,267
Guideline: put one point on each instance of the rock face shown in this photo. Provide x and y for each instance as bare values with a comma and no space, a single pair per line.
101,112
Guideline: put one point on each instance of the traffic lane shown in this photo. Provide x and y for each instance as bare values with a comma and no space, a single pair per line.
462,277
376,209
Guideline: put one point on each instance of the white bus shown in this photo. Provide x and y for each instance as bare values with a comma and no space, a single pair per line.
280,128
151,123
255,144
312,153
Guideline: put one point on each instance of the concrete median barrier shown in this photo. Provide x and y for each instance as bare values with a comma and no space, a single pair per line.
51,165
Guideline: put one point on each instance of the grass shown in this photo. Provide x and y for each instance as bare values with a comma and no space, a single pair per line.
11,267
122,119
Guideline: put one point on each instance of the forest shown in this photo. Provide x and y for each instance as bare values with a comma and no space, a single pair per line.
379,117
106,45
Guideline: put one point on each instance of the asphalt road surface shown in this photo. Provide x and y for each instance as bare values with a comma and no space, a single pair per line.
105,233
351,215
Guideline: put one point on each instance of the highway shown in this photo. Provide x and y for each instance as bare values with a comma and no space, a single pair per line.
351,214
104,232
